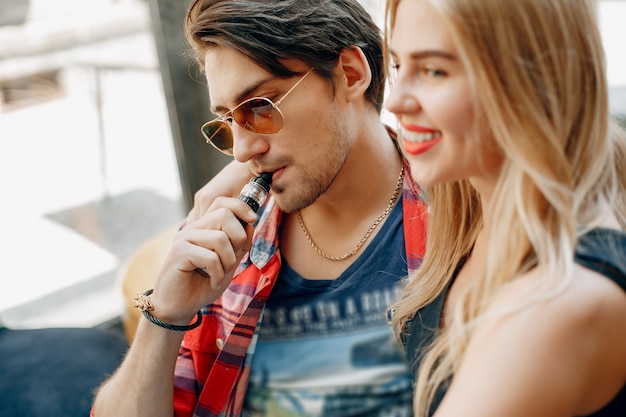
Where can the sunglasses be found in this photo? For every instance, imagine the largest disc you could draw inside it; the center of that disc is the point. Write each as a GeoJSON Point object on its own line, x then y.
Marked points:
{"type": "Point", "coordinates": [257, 114]}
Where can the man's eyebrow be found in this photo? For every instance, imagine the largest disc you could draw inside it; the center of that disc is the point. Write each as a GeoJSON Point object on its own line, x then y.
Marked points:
{"type": "Point", "coordinates": [243, 94]}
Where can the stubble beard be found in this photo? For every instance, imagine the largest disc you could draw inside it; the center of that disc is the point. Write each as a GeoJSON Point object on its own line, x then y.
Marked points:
{"type": "Point", "coordinates": [316, 179]}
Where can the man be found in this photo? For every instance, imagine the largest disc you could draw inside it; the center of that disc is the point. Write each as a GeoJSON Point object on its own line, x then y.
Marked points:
{"type": "Point", "coordinates": [292, 320]}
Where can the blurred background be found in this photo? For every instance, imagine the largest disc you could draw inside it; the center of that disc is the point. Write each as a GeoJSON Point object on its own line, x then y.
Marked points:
{"type": "Point", "coordinates": [96, 153]}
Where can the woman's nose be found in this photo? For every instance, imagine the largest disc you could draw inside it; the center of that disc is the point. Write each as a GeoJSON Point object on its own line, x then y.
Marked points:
{"type": "Point", "coordinates": [401, 99]}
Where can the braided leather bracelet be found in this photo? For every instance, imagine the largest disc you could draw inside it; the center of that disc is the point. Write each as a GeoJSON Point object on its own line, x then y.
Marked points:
{"type": "Point", "coordinates": [143, 302]}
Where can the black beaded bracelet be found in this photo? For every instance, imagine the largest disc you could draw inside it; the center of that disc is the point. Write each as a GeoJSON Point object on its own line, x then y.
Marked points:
{"type": "Point", "coordinates": [143, 303]}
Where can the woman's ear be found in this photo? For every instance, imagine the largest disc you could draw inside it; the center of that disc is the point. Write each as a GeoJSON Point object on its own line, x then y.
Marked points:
{"type": "Point", "coordinates": [354, 72]}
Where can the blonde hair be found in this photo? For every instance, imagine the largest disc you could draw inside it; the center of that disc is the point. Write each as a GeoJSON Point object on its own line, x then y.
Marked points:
{"type": "Point", "coordinates": [537, 71]}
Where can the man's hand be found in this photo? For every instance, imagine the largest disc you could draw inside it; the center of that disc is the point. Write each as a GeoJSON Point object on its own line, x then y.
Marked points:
{"type": "Point", "coordinates": [215, 243]}
{"type": "Point", "coordinates": [227, 183]}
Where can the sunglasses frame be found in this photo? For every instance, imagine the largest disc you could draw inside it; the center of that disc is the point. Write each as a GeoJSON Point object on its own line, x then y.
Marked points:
{"type": "Point", "coordinates": [227, 119]}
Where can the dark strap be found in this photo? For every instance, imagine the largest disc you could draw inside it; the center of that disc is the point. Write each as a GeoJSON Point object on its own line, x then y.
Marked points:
{"type": "Point", "coordinates": [604, 251]}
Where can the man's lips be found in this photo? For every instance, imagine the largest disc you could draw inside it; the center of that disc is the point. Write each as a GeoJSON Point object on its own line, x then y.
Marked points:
{"type": "Point", "coordinates": [276, 172]}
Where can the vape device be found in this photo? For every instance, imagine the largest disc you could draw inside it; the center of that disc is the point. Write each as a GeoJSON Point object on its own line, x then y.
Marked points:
{"type": "Point", "coordinates": [254, 193]}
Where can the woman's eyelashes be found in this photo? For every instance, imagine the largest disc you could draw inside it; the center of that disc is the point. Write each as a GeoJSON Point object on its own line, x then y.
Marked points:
{"type": "Point", "coordinates": [431, 72]}
{"type": "Point", "coordinates": [420, 71]}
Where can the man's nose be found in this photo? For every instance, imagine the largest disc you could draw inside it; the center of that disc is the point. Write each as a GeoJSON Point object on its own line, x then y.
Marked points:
{"type": "Point", "coordinates": [247, 144]}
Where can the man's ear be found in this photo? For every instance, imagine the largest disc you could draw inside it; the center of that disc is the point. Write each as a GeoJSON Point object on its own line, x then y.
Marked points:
{"type": "Point", "coordinates": [354, 72]}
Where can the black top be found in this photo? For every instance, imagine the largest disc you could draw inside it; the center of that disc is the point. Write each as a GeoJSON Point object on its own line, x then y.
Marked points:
{"type": "Point", "coordinates": [601, 250]}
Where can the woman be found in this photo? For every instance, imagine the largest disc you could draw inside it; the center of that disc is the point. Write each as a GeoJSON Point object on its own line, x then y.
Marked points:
{"type": "Point", "coordinates": [519, 308]}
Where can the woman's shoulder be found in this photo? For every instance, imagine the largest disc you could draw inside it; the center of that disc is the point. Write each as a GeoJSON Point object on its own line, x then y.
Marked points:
{"type": "Point", "coordinates": [573, 340]}
{"type": "Point", "coordinates": [547, 349]}
{"type": "Point", "coordinates": [597, 282]}
{"type": "Point", "coordinates": [588, 295]}
{"type": "Point", "coordinates": [562, 355]}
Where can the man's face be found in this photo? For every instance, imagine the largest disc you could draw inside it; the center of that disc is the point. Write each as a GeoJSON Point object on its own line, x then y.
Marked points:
{"type": "Point", "coordinates": [306, 155]}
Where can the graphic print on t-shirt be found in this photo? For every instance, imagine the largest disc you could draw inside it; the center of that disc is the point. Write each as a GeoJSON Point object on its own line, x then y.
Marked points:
{"type": "Point", "coordinates": [325, 348]}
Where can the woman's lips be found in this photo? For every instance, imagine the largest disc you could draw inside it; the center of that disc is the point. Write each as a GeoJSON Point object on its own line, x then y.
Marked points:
{"type": "Point", "coordinates": [418, 140]}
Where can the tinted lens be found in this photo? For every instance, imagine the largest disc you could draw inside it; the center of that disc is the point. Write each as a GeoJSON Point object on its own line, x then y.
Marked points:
{"type": "Point", "coordinates": [220, 135]}
{"type": "Point", "coordinates": [259, 115]}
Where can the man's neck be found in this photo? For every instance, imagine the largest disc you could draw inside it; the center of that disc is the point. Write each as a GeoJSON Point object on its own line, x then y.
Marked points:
{"type": "Point", "coordinates": [345, 213]}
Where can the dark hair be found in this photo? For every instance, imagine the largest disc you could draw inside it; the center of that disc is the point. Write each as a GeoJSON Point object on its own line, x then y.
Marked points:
{"type": "Point", "coordinates": [271, 31]}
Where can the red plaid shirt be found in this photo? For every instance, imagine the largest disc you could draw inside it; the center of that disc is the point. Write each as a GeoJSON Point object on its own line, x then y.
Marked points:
{"type": "Point", "coordinates": [213, 364]}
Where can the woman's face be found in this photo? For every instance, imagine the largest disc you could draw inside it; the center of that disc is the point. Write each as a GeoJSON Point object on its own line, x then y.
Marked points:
{"type": "Point", "coordinates": [432, 100]}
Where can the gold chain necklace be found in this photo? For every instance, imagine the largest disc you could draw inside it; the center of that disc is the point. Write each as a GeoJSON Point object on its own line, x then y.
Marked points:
{"type": "Point", "coordinates": [369, 232]}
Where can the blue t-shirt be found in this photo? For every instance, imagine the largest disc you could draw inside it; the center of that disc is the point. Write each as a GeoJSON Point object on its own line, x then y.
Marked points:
{"type": "Point", "coordinates": [325, 348]}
